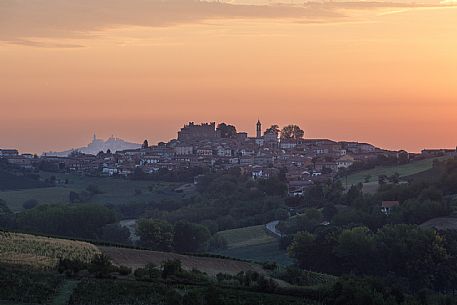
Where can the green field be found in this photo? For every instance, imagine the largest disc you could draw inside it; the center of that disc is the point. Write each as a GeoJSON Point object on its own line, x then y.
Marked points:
{"type": "Point", "coordinates": [115, 191]}
{"type": "Point", "coordinates": [253, 243]}
{"type": "Point", "coordinates": [404, 170]}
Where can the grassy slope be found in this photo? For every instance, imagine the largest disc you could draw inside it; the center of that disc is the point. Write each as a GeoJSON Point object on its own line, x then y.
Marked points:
{"type": "Point", "coordinates": [253, 243]}
{"type": "Point", "coordinates": [115, 191]}
{"type": "Point", "coordinates": [404, 170]}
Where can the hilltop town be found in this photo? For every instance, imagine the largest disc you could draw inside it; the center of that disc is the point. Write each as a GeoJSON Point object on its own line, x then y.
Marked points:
{"type": "Point", "coordinates": [207, 146]}
{"type": "Point", "coordinates": [266, 214]}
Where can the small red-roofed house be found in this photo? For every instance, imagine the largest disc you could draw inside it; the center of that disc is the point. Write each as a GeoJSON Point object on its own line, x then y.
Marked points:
{"type": "Point", "coordinates": [387, 206]}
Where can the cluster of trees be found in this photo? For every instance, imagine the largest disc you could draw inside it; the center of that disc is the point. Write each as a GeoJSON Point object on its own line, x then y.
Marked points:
{"type": "Point", "coordinates": [20, 285]}
{"type": "Point", "coordinates": [248, 279]}
{"type": "Point", "coordinates": [115, 233]}
{"type": "Point", "coordinates": [289, 132]}
{"type": "Point", "coordinates": [445, 175]}
{"type": "Point", "coordinates": [86, 195]}
{"type": "Point", "coordinates": [346, 233]}
{"type": "Point", "coordinates": [307, 221]}
{"type": "Point", "coordinates": [419, 202]}
{"type": "Point", "coordinates": [231, 200]}
{"type": "Point", "coordinates": [414, 257]}
{"type": "Point", "coordinates": [82, 221]}
{"type": "Point", "coordinates": [170, 270]}
{"type": "Point", "coordinates": [223, 201]}
{"type": "Point", "coordinates": [4, 209]}
{"type": "Point", "coordinates": [181, 237]}
{"type": "Point", "coordinates": [372, 290]}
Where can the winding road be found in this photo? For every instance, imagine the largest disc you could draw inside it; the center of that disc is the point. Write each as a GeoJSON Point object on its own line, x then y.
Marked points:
{"type": "Point", "coordinates": [271, 227]}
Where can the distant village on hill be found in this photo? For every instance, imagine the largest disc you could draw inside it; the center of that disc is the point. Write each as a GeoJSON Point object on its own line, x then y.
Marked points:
{"type": "Point", "coordinates": [98, 145]}
{"type": "Point", "coordinates": [271, 152]}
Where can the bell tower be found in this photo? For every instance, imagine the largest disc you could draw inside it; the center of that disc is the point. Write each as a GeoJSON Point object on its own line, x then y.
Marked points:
{"type": "Point", "coordinates": [259, 129]}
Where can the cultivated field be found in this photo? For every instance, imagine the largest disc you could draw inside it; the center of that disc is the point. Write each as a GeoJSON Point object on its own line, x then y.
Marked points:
{"type": "Point", "coordinates": [115, 191]}
{"type": "Point", "coordinates": [39, 251]}
{"type": "Point", "coordinates": [253, 243]}
{"type": "Point", "coordinates": [404, 170]}
{"type": "Point", "coordinates": [139, 258]}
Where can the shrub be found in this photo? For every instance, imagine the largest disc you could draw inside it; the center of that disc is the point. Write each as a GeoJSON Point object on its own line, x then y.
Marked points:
{"type": "Point", "coordinates": [101, 265]}
{"type": "Point", "coordinates": [148, 273]}
{"type": "Point", "coordinates": [171, 267]}
{"type": "Point", "coordinates": [124, 270]}
{"type": "Point", "coordinates": [71, 266]}
{"type": "Point", "coordinates": [30, 204]}
{"type": "Point", "coordinates": [94, 189]}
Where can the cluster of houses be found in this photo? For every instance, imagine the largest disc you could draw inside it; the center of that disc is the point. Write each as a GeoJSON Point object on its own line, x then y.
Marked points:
{"type": "Point", "coordinates": [304, 161]}
{"type": "Point", "coordinates": [26, 161]}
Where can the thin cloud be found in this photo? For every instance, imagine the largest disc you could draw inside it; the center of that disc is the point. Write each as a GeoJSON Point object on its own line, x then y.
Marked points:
{"type": "Point", "coordinates": [26, 22]}
{"type": "Point", "coordinates": [41, 44]}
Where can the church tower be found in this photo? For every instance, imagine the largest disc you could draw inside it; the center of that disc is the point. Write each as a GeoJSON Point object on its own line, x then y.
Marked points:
{"type": "Point", "coordinates": [259, 129]}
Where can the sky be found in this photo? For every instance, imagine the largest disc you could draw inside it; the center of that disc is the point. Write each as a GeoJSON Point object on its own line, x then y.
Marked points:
{"type": "Point", "coordinates": [378, 72]}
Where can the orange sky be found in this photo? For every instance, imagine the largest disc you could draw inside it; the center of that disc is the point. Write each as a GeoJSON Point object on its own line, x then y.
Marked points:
{"type": "Point", "coordinates": [385, 73]}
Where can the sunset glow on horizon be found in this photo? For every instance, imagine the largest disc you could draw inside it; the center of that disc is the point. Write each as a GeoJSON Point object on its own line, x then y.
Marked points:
{"type": "Point", "coordinates": [383, 73]}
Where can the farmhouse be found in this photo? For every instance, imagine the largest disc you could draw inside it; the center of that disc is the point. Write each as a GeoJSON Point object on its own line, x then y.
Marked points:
{"type": "Point", "coordinates": [388, 206]}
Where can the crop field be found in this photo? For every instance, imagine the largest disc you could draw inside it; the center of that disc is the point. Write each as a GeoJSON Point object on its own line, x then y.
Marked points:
{"type": "Point", "coordinates": [139, 258]}
{"type": "Point", "coordinates": [43, 252]}
{"type": "Point", "coordinates": [404, 170]}
{"type": "Point", "coordinates": [253, 243]}
{"type": "Point", "coordinates": [114, 191]}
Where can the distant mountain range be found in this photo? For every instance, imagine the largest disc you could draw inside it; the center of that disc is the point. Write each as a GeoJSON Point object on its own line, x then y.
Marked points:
{"type": "Point", "coordinates": [97, 145]}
